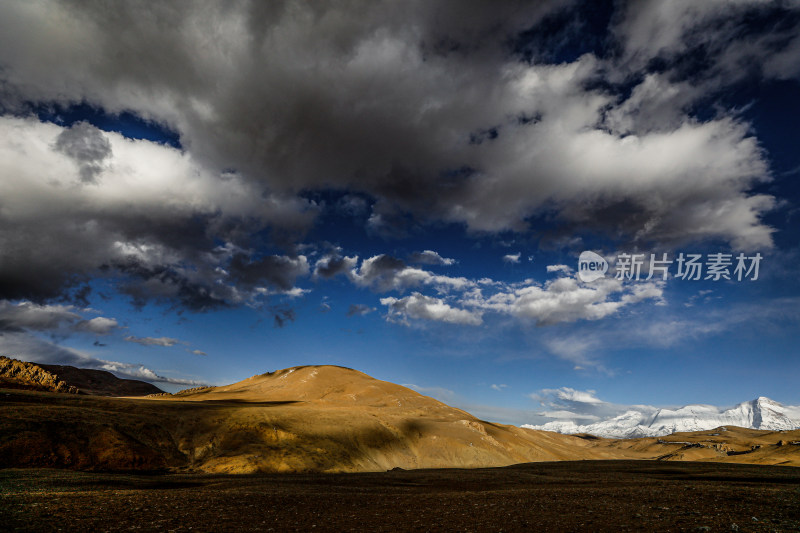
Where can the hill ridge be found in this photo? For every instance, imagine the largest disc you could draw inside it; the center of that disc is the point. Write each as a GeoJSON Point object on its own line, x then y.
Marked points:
{"type": "Point", "coordinates": [318, 418]}
{"type": "Point", "coordinates": [22, 374]}
{"type": "Point", "coordinates": [15, 373]}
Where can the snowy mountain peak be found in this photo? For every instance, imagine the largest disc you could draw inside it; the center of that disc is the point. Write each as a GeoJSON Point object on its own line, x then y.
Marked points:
{"type": "Point", "coordinates": [643, 421]}
{"type": "Point", "coordinates": [763, 401]}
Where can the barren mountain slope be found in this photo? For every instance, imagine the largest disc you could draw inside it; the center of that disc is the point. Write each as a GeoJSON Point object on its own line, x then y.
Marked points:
{"type": "Point", "coordinates": [318, 419]}
{"type": "Point", "coordinates": [334, 418]}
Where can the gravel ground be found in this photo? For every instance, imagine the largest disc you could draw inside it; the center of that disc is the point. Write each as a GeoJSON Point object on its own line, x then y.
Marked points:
{"type": "Point", "coordinates": [566, 496]}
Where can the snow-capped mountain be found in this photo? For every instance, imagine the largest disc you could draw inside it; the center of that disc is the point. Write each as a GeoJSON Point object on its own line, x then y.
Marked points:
{"type": "Point", "coordinates": [761, 413]}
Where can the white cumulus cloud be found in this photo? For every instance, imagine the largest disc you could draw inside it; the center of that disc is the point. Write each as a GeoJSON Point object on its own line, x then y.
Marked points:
{"type": "Point", "coordinates": [418, 306]}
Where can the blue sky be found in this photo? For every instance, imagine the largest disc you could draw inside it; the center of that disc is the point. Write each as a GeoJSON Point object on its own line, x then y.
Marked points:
{"type": "Point", "coordinates": [197, 193]}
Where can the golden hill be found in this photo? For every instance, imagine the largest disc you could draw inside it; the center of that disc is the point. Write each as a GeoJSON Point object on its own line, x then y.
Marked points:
{"type": "Point", "coordinates": [323, 385]}
{"type": "Point", "coordinates": [332, 418]}
{"type": "Point", "coordinates": [317, 419]}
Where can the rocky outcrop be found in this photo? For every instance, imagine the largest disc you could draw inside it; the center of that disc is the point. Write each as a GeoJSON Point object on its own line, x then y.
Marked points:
{"type": "Point", "coordinates": [68, 379]}
{"type": "Point", "coordinates": [20, 374]}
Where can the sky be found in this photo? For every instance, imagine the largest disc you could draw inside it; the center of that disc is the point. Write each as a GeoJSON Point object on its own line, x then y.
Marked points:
{"type": "Point", "coordinates": [198, 192]}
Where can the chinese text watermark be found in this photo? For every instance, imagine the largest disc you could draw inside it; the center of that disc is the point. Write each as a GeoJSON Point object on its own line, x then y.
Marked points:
{"type": "Point", "coordinates": [635, 267]}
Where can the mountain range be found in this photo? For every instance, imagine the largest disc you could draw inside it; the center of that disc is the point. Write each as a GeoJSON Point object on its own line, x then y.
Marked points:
{"type": "Point", "coordinates": [309, 418]}
{"type": "Point", "coordinates": [643, 421]}
{"type": "Point", "coordinates": [325, 418]}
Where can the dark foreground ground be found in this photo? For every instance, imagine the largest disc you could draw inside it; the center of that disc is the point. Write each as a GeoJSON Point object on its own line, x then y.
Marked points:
{"type": "Point", "coordinates": [569, 496]}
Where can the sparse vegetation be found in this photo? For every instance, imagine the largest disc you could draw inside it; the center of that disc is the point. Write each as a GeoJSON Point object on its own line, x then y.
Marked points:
{"type": "Point", "coordinates": [566, 496]}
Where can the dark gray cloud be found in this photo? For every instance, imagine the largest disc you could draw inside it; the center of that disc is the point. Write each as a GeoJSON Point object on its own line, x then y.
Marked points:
{"type": "Point", "coordinates": [419, 112]}
{"type": "Point", "coordinates": [87, 146]}
{"type": "Point", "coordinates": [359, 310]}
{"type": "Point", "coordinates": [383, 273]}
{"type": "Point", "coordinates": [353, 205]}
{"type": "Point", "coordinates": [729, 41]}
{"type": "Point", "coordinates": [429, 257]}
{"type": "Point", "coordinates": [170, 285]}
{"type": "Point", "coordinates": [28, 316]}
{"type": "Point", "coordinates": [155, 217]}
{"type": "Point", "coordinates": [275, 270]}
{"type": "Point", "coordinates": [283, 316]}
{"type": "Point", "coordinates": [153, 341]}
{"type": "Point", "coordinates": [334, 264]}
{"type": "Point", "coordinates": [380, 272]}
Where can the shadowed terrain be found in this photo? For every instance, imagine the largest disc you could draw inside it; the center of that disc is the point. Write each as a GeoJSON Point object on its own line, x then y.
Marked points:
{"type": "Point", "coordinates": [564, 496]}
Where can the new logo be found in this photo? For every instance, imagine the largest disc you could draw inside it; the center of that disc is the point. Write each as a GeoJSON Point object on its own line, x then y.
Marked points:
{"type": "Point", "coordinates": [591, 266]}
